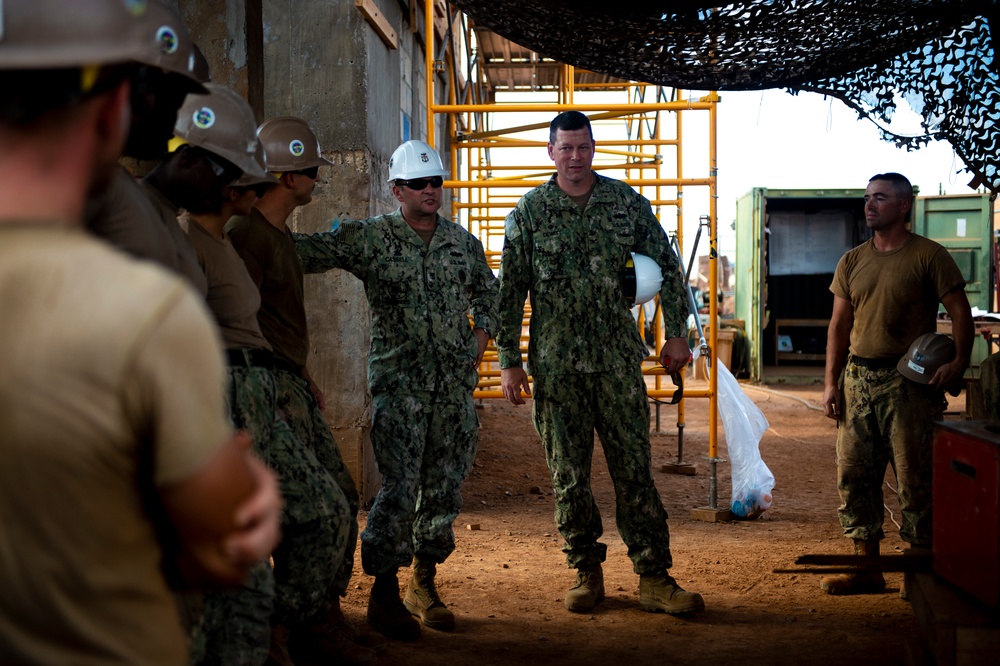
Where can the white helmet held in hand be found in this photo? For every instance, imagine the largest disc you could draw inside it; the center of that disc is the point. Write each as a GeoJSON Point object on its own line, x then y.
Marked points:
{"type": "Point", "coordinates": [415, 159]}
{"type": "Point", "coordinates": [642, 279]}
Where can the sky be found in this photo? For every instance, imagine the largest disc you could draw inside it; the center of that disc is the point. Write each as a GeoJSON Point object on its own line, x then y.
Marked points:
{"type": "Point", "coordinates": [770, 139]}
{"type": "Point", "coordinates": [776, 140]}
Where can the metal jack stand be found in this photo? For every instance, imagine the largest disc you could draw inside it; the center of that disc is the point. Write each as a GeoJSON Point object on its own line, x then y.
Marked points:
{"type": "Point", "coordinates": [681, 467]}
{"type": "Point", "coordinates": [711, 513]}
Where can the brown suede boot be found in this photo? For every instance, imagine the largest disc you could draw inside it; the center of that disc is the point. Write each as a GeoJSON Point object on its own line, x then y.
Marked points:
{"type": "Point", "coordinates": [862, 582]}
{"type": "Point", "coordinates": [422, 598]}
{"type": "Point", "coordinates": [662, 594]}
{"type": "Point", "coordinates": [586, 591]}
{"type": "Point", "coordinates": [387, 614]}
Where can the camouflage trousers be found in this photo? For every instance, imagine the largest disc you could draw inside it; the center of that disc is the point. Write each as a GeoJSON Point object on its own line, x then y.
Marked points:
{"type": "Point", "coordinates": [567, 410]}
{"type": "Point", "coordinates": [888, 420]}
{"type": "Point", "coordinates": [235, 625]}
{"type": "Point", "coordinates": [424, 446]}
{"type": "Point", "coordinates": [300, 409]}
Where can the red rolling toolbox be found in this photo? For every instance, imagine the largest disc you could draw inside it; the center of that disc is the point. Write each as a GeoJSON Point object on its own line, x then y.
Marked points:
{"type": "Point", "coordinates": [966, 548]}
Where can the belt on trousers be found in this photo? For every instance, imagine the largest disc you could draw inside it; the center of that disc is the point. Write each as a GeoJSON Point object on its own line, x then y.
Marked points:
{"type": "Point", "coordinates": [250, 358]}
{"type": "Point", "coordinates": [287, 366]}
{"type": "Point", "coordinates": [874, 363]}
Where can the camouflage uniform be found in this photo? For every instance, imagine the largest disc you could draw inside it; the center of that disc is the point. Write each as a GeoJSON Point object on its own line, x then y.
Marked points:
{"type": "Point", "coordinates": [298, 405]}
{"type": "Point", "coordinates": [888, 420]}
{"type": "Point", "coordinates": [420, 371]}
{"type": "Point", "coordinates": [585, 355]}
{"type": "Point", "coordinates": [315, 525]}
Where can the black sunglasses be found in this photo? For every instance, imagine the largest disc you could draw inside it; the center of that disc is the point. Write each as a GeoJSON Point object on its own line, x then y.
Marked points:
{"type": "Point", "coordinates": [421, 183]}
{"type": "Point", "coordinates": [311, 172]}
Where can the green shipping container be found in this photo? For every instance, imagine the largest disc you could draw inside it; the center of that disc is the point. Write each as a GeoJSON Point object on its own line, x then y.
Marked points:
{"type": "Point", "coordinates": [788, 243]}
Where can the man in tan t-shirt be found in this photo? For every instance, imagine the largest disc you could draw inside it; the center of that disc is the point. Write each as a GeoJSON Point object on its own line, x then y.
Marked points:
{"type": "Point", "coordinates": [116, 461]}
{"type": "Point", "coordinates": [885, 295]}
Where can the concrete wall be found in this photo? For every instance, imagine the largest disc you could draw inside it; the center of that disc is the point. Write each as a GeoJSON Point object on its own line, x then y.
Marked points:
{"type": "Point", "coordinates": [321, 61]}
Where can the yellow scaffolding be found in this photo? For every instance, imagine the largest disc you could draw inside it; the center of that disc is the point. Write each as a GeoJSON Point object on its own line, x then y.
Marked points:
{"type": "Point", "coordinates": [486, 184]}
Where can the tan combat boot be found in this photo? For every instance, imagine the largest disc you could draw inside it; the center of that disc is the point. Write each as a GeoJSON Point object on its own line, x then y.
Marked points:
{"type": "Point", "coordinates": [862, 582]}
{"type": "Point", "coordinates": [661, 594]}
{"type": "Point", "coordinates": [387, 614]}
{"type": "Point", "coordinates": [587, 590]}
{"type": "Point", "coordinates": [422, 598]}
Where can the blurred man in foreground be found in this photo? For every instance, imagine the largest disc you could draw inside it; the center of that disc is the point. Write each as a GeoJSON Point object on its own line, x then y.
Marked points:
{"type": "Point", "coordinates": [117, 464]}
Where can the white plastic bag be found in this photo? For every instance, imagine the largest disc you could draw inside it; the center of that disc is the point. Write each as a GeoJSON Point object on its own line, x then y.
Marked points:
{"type": "Point", "coordinates": [745, 425]}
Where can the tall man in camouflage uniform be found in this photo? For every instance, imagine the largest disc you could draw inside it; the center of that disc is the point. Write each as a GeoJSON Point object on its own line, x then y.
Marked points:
{"type": "Point", "coordinates": [886, 294]}
{"type": "Point", "coordinates": [423, 275]}
{"type": "Point", "coordinates": [567, 243]}
{"type": "Point", "coordinates": [308, 591]}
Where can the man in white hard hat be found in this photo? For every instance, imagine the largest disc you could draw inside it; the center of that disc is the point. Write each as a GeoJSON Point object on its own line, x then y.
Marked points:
{"type": "Point", "coordinates": [116, 460]}
{"type": "Point", "coordinates": [567, 243]}
{"type": "Point", "coordinates": [313, 567]}
{"type": "Point", "coordinates": [423, 276]}
{"type": "Point", "coordinates": [886, 293]}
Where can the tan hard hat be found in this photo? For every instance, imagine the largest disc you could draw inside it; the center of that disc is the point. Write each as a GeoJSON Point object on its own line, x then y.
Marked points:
{"type": "Point", "coordinates": [926, 354]}
{"type": "Point", "coordinates": [54, 34]}
{"type": "Point", "coordinates": [290, 145]}
{"type": "Point", "coordinates": [201, 69]}
{"type": "Point", "coordinates": [248, 179]}
{"type": "Point", "coordinates": [170, 47]}
{"type": "Point", "coordinates": [221, 122]}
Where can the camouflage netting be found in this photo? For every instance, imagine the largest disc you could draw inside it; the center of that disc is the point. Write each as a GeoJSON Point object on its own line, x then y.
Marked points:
{"type": "Point", "coordinates": [937, 55]}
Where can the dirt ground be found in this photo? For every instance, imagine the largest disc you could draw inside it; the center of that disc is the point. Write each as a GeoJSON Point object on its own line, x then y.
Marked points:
{"type": "Point", "coordinates": [507, 579]}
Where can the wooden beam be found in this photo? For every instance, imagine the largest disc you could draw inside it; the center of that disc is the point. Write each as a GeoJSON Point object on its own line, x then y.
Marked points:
{"type": "Point", "coordinates": [377, 21]}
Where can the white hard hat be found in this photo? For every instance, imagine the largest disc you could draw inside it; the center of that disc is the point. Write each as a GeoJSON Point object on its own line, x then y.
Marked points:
{"type": "Point", "coordinates": [642, 279]}
{"type": "Point", "coordinates": [415, 159]}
